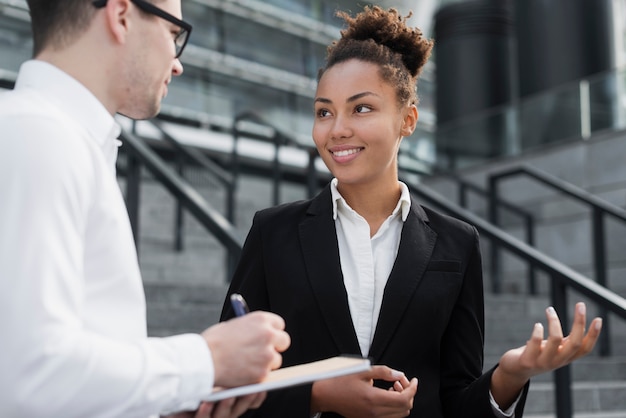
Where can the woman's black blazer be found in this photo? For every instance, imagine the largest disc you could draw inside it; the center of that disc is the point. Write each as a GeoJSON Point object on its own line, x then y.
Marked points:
{"type": "Point", "coordinates": [431, 322]}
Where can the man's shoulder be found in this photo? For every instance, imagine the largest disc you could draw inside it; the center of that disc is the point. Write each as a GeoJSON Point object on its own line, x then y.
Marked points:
{"type": "Point", "coordinates": [27, 114]}
{"type": "Point", "coordinates": [27, 110]}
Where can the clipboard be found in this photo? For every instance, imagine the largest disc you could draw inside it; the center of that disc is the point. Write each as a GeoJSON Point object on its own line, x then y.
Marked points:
{"type": "Point", "coordinates": [296, 375]}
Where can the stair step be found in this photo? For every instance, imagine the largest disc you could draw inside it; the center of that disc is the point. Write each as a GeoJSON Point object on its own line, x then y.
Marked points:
{"type": "Point", "coordinates": [587, 397]}
{"type": "Point", "coordinates": [588, 369]}
{"type": "Point", "coordinates": [174, 309]}
{"type": "Point", "coordinates": [614, 414]}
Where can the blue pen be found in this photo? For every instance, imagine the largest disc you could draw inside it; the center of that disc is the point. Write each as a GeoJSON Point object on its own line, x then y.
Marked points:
{"type": "Point", "coordinates": [239, 304]}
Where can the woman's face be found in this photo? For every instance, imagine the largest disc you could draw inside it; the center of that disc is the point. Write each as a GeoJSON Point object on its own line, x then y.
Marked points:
{"type": "Point", "coordinates": [359, 124]}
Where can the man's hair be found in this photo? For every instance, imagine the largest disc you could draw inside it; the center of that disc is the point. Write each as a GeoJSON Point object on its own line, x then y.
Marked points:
{"type": "Point", "coordinates": [57, 23]}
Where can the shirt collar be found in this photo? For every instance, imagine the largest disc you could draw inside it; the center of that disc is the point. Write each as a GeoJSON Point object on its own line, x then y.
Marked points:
{"type": "Point", "coordinates": [403, 206]}
{"type": "Point", "coordinates": [71, 97]}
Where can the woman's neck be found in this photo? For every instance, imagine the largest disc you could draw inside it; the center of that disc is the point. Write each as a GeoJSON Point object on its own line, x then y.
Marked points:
{"type": "Point", "coordinates": [373, 203]}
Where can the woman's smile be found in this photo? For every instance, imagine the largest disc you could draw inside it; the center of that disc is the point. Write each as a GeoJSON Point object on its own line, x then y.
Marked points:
{"type": "Point", "coordinates": [346, 154]}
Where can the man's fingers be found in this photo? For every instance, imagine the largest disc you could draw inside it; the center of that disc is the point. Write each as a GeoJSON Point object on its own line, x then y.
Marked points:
{"type": "Point", "coordinates": [258, 401]}
{"type": "Point", "coordinates": [205, 410]}
{"type": "Point", "coordinates": [276, 362]}
{"type": "Point", "coordinates": [282, 341]}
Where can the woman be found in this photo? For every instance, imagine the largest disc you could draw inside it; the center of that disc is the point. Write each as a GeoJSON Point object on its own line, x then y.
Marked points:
{"type": "Point", "coordinates": [363, 269]}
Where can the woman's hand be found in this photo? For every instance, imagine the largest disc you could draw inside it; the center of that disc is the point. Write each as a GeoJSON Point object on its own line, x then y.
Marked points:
{"type": "Point", "coordinates": [539, 356]}
{"type": "Point", "coordinates": [356, 396]}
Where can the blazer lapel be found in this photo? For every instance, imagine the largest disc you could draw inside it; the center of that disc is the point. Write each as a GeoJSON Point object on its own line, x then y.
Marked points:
{"type": "Point", "coordinates": [417, 242]}
{"type": "Point", "coordinates": [318, 238]}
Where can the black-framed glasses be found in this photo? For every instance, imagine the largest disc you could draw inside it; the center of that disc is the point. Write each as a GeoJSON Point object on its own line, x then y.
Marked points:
{"type": "Point", "coordinates": [185, 28]}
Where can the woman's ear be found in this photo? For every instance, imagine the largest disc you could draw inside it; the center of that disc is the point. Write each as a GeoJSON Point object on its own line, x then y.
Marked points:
{"type": "Point", "coordinates": [410, 120]}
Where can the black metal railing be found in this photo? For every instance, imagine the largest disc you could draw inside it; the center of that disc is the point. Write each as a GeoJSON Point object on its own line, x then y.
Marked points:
{"type": "Point", "coordinates": [561, 277]}
{"type": "Point", "coordinates": [142, 155]}
{"type": "Point", "coordinates": [464, 189]}
{"type": "Point", "coordinates": [600, 209]}
{"type": "Point", "coordinates": [275, 136]}
{"type": "Point", "coordinates": [213, 171]}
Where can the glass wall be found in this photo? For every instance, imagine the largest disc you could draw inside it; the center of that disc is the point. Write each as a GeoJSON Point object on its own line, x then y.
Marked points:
{"type": "Point", "coordinates": [568, 113]}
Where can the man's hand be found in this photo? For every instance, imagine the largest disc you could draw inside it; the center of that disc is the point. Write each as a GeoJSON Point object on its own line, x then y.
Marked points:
{"type": "Point", "coordinates": [227, 408]}
{"type": "Point", "coordinates": [246, 349]}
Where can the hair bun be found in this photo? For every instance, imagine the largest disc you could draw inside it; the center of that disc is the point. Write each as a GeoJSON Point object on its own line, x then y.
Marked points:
{"type": "Point", "coordinates": [388, 28]}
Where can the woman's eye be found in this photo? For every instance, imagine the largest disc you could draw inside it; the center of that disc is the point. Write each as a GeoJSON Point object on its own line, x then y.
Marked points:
{"type": "Point", "coordinates": [362, 109]}
{"type": "Point", "coordinates": [322, 113]}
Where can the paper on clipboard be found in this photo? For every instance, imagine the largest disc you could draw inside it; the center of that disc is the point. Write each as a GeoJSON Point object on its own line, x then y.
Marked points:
{"type": "Point", "coordinates": [297, 375]}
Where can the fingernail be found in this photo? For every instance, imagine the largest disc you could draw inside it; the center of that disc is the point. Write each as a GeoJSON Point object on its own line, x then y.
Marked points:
{"type": "Point", "coordinates": [599, 324]}
{"type": "Point", "coordinates": [396, 374]}
{"type": "Point", "coordinates": [551, 311]}
{"type": "Point", "coordinates": [582, 309]}
{"type": "Point", "coordinates": [538, 330]}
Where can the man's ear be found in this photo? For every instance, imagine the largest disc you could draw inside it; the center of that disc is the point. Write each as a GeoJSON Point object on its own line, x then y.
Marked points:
{"type": "Point", "coordinates": [117, 18]}
{"type": "Point", "coordinates": [410, 120]}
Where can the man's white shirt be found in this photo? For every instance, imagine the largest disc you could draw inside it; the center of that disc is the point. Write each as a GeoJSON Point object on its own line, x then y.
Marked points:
{"type": "Point", "coordinates": [72, 306]}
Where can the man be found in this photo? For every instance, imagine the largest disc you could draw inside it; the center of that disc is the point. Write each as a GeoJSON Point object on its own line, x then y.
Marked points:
{"type": "Point", "coordinates": [72, 308]}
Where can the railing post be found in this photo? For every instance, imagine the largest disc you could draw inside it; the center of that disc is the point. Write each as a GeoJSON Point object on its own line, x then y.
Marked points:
{"type": "Point", "coordinates": [276, 193]}
{"type": "Point", "coordinates": [178, 222]}
{"type": "Point", "coordinates": [530, 239]}
{"type": "Point", "coordinates": [599, 260]}
{"type": "Point", "coordinates": [133, 188]}
{"type": "Point", "coordinates": [585, 109]}
{"type": "Point", "coordinates": [462, 195]}
{"type": "Point", "coordinates": [495, 251]}
{"type": "Point", "coordinates": [231, 258]}
{"type": "Point", "coordinates": [562, 376]}
{"type": "Point", "coordinates": [312, 173]}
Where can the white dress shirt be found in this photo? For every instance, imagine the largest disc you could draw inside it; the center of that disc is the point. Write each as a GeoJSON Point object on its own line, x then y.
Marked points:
{"type": "Point", "coordinates": [366, 264]}
{"type": "Point", "coordinates": [72, 306]}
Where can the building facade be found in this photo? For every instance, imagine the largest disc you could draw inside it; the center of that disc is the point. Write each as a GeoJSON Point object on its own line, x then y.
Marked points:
{"type": "Point", "coordinates": [243, 56]}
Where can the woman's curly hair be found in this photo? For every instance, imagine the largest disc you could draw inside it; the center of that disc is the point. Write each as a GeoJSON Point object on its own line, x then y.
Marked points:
{"type": "Point", "coordinates": [382, 37]}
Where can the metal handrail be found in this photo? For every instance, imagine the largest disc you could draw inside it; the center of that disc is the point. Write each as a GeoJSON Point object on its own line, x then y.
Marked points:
{"type": "Point", "coordinates": [527, 218]}
{"type": "Point", "coordinates": [223, 176]}
{"type": "Point", "coordinates": [599, 207]}
{"type": "Point", "coordinates": [208, 217]}
{"type": "Point", "coordinates": [185, 152]}
{"type": "Point", "coordinates": [278, 138]}
{"type": "Point", "coordinates": [562, 277]}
